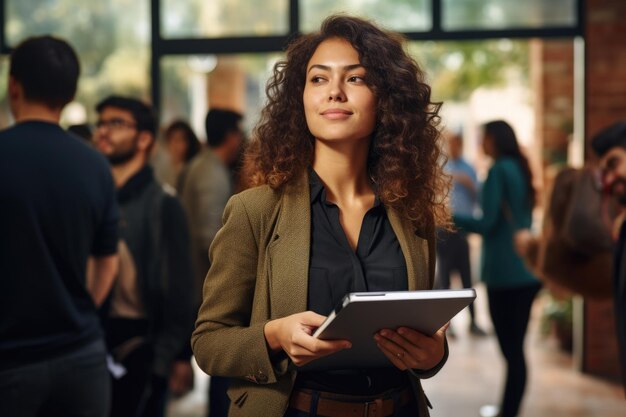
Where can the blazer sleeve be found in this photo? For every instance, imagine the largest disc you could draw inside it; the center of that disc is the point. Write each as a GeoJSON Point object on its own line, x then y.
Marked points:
{"type": "Point", "coordinates": [225, 342]}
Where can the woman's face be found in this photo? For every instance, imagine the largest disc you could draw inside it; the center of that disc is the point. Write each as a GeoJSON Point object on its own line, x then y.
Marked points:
{"type": "Point", "coordinates": [338, 104]}
{"type": "Point", "coordinates": [488, 146]}
{"type": "Point", "coordinates": [176, 146]}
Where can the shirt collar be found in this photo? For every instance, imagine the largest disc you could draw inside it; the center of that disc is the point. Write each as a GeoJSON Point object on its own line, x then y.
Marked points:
{"type": "Point", "coordinates": [316, 186]}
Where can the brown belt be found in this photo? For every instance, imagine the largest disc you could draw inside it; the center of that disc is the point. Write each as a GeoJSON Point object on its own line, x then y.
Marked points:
{"type": "Point", "coordinates": [333, 407]}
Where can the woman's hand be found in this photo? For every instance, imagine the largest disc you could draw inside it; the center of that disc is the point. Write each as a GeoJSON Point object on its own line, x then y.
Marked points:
{"type": "Point", "coordinates": [292, 334]}
{"type": "Point", "coordinates": [410, 349]}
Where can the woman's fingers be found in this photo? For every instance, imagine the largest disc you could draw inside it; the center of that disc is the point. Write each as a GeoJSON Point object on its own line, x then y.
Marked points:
{"type": "Point", "coordinates": [410, 348]}
{"type": "Point", "coordinates": [396, 356]}
{"type": "Point", "coordinates": [302, 352]}
{"type": "Point", "coordinates": [293, 334]}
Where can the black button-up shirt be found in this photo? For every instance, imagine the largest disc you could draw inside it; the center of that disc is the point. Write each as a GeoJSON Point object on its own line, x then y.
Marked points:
{"type": "Point", "coordinates": [335, 269]}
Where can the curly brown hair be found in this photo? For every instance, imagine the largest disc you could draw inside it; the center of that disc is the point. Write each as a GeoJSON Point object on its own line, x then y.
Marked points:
{"type": "Point", "coordinates": [404, 156]}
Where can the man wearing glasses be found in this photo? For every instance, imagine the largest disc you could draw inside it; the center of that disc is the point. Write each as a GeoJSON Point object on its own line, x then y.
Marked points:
{"type": "Point", "coordinates": [148, 315]}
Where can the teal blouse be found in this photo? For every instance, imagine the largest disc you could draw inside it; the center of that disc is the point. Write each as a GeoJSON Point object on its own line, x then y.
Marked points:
{"type": "Point", "coordinates": [505, 209]}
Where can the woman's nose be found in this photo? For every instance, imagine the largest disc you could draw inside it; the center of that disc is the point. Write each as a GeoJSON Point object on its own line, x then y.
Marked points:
{"type": "Point", "coordinates": [335, 92]}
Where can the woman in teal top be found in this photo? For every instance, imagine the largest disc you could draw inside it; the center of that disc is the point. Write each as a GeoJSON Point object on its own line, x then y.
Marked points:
{"type": "Point", "coordinates": [507, 201]}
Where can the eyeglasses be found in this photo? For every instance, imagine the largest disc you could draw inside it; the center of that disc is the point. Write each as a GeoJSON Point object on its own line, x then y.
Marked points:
{"type": "Point", "coordinates": [115, 124]}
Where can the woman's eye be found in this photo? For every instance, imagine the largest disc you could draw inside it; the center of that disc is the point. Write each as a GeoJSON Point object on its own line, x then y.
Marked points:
{"type": "Point", "coordinates": [316, 79]}
{"type": "Point", "coordinates": [356, 79]}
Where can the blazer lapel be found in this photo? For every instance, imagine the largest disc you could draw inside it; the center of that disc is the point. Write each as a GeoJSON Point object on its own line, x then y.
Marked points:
{"type": "Point", "coordinates": [415, 250]}
{"type": "Point", "coordinates": [289, 251]}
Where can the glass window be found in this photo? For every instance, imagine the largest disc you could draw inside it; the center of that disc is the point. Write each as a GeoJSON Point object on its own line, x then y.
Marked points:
{"type": "Point", "coordinates": [479, 81]}
{"type": "Point", "coordinates": [222, 18]}
{"type": "Point", "coordinates": [455, 69]}
{"type": "Point", "coordinates": [113, 47]}
{"type": "Point", "coordinates": [399, 15]}
{"type": "Point", "coordinates": [504, 14]}
{"type": "Point", "coordinates": [191, 85]}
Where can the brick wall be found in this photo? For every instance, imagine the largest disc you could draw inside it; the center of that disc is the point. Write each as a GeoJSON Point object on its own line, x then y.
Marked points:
{"type": "Point", "coordinates": [605, 97]}
{"type": "Point", "coordinates": [552, 63]}
{"type": "Point", "coordinates": [600, 343]}
{"type": "Point", "coordinates": [605, 64]}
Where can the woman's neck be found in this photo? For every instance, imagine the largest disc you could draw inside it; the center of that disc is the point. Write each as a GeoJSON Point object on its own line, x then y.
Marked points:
{"type": "Point", "coordinates": [343, 170]}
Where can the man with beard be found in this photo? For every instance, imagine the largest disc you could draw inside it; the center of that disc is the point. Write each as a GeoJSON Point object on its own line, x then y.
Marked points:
{"type": "Point", "coordinates": [610, 146]}
{"type": "Point", "coordinates": [148, 314]}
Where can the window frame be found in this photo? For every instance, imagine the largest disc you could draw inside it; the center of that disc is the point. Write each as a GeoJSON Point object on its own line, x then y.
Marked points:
{"type": "Point", "coordinates": [161, 47]}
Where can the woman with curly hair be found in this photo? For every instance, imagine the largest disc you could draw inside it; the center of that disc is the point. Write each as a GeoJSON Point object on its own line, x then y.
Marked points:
{"type": "Point", "coordinates": [347, 194]}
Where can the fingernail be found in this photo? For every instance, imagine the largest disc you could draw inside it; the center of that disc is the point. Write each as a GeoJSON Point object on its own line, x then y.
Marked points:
{"type": "Point", "coordinates": [401, 330]}
{"type": "Point", "coordinates": [348, 345]}
{"type": "Point", "coordinates": [384, 333]}
{"type": "Point", "coordinates": [377, 337]}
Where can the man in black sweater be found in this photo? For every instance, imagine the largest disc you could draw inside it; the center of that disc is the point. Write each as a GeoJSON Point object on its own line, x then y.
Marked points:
{"type": "Point", "coordinates": [57, 207]}
{"type": "Point", "coordinates": [149, 314]}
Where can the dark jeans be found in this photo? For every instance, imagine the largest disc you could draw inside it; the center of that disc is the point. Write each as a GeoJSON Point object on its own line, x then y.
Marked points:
{"type": "Point", "coordinates": [157, 401]}
{"type": "Point", "coordinates": [132, 391]}
{"type": "Point", "coordinates": [74, 385]}
{"type": "Point", "coordinates": [453, 255]}
{"type": "Point", "coordinates": [218, 398]}
{"type": "Point", "coordinates": [130, 346]}
{"type": "Point", "coordinates": [510, 311]}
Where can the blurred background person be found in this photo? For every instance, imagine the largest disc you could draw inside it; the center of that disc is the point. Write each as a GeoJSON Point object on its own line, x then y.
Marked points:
{"type": "Point", "coordinates": [181, 145]}
{"type": "Point", "coordinates": [206, 186]}
{"type": "Point", "coordinates": [453, 253]}
{"type": "Point", "coordinates": [610, 145]}
{"type": "Point", "coordinates": [507, 201]}
{"type": "Point", "coordinates": [149, 313]}
{"type": "Point", "coordinates": [57, 206]}
{"type": "Point", "coordinates": [83, 131]}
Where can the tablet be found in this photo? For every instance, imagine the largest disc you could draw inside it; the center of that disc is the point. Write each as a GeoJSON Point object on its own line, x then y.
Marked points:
{"type": "Point", "coordinates": [360, 315]}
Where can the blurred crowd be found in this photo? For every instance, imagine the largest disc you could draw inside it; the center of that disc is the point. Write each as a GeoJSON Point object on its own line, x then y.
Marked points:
{"type": "Point", "coordinates": [107, 228]}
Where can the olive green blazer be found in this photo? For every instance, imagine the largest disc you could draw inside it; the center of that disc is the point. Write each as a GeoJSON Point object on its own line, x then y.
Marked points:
{"type": "Point", "coordinates": [259, 271]}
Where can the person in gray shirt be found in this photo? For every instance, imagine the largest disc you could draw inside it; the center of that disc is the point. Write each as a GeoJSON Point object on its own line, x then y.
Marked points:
{"type": "Point", "coordinates": [206, 186]}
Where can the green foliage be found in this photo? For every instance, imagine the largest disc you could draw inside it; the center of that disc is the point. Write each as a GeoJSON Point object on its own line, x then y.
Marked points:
{"type": "Point", "coordinates": [456, 69]}
{"type": "Point", "coordinates": [557, 311]}
{"type": "Point", "coordinates": [110, 37]}
{"type": "Point", "coordinates": [202, 18]}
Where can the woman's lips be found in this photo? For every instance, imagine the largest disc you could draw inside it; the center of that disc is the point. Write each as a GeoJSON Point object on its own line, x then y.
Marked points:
{"type": "Point", "coordinates": [336, 114]}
